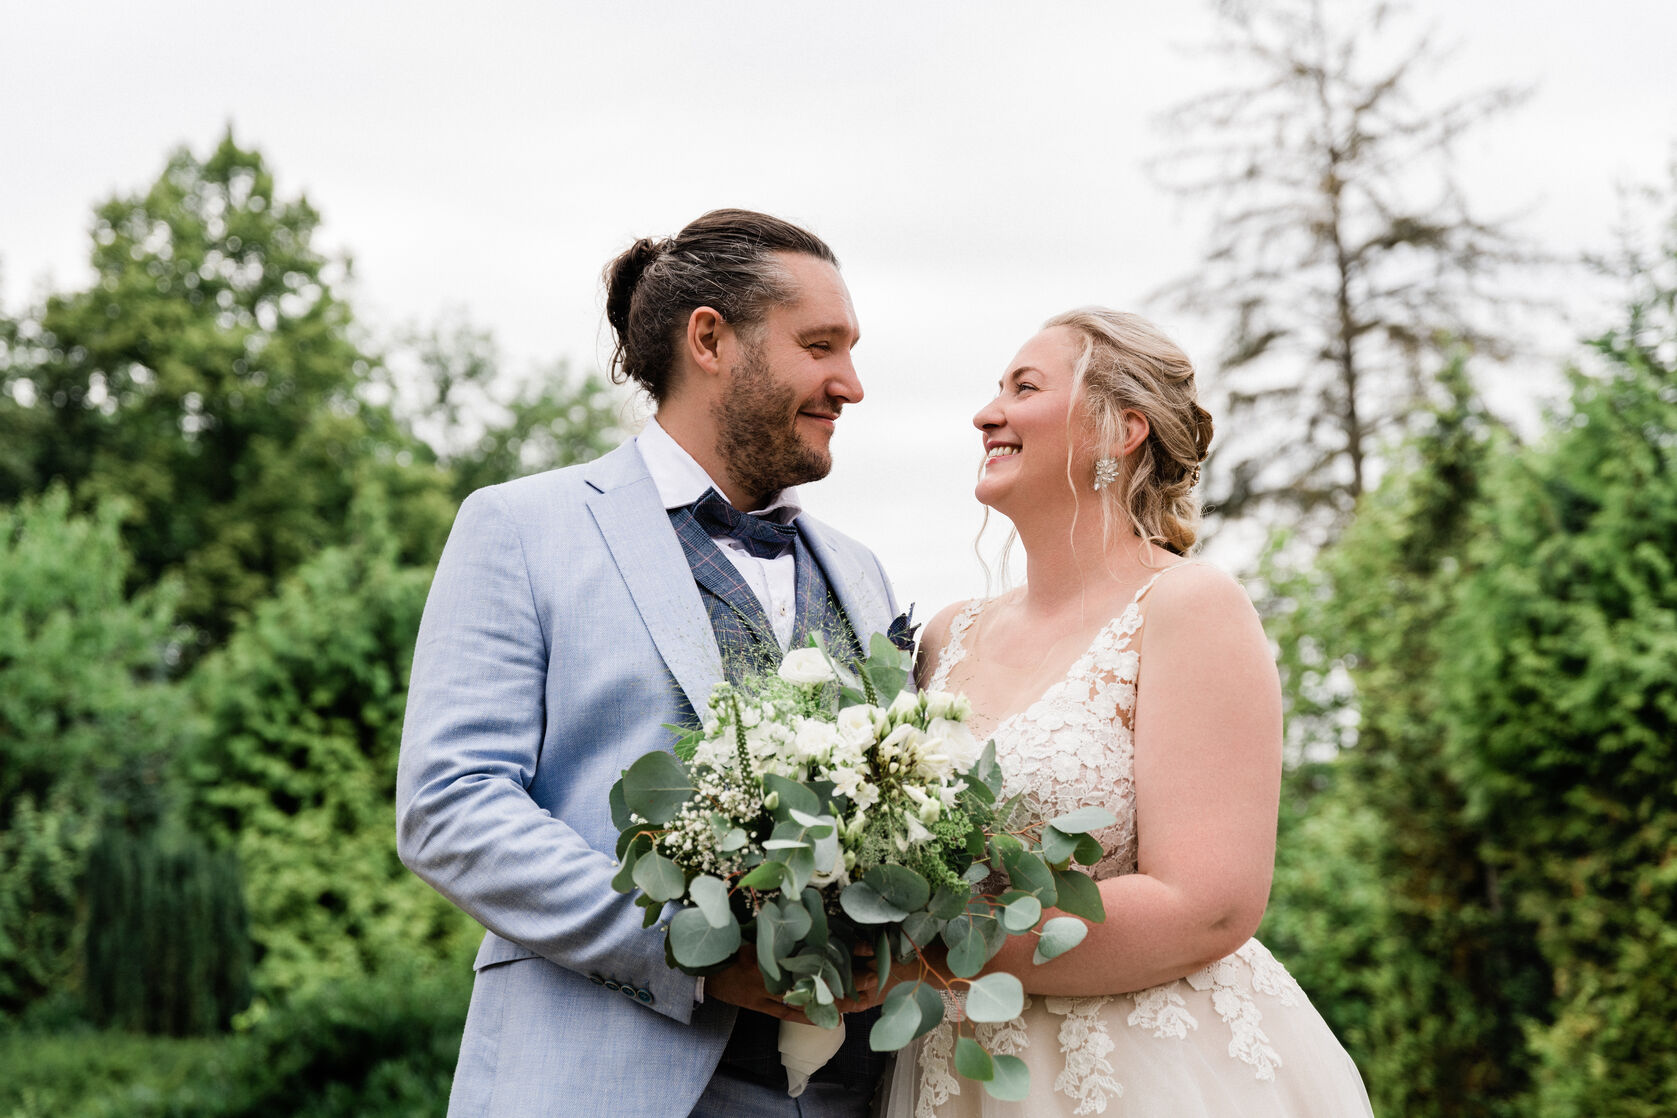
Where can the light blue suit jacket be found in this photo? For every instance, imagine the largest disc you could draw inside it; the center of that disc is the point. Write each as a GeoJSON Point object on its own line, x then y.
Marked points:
{"type": "Point", "coordinates": [561, 631]}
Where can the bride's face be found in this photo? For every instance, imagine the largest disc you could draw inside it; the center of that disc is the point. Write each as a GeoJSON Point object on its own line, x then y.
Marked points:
{"type": "Point", "coordinates": [1032, 429]}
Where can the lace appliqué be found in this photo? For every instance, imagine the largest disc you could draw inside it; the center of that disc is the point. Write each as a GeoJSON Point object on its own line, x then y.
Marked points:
{"type": "Point", "coordinates": [1085, 1042]}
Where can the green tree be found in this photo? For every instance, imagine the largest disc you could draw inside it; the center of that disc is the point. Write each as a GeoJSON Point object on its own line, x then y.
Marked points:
{"type": "Point", "coordinates": [208, 377]}
{"type": "Point", "coordinates": [1383, 899]}
{"type": "Point", "coordinates": [87, 720]}
{"type": "Point", "coordinates": [1560, 686]}
{"type": "Point", "coordinates": [296, 770]}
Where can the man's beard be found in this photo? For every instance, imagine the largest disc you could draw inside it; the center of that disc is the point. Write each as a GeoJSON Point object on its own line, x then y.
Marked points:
{"type": "Point", "coordinates": [756, 433]}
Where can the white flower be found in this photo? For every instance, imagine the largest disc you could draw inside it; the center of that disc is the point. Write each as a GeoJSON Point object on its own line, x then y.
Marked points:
{"type": "Point", "coordinates": [903, 706]}
{"type": "Point", "coordinates": [814, 739]}
{"type": "Point", "coordinates": [913, 831]}
{"type": "Point", "coordinates": [806, 666]}
{"type": "Point", "coordinates": [858, 725]}
{"type": "Point", "coordinates": [866, 794]}
{"type": "Point", "coordinates": [939, 704]}
{"type": "Point", "coordinates": [955, 740]}
{"type": "Point", "coordinates": [899, 741]}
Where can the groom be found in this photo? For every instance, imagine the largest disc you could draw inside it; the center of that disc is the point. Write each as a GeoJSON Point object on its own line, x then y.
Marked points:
{"type": "Point", "coordinates": [574, 614]}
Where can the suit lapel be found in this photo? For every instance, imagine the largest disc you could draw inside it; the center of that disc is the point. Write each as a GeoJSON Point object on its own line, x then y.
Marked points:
{"type": "Point", "coordinates": [636, 529]}
{"type": "Point", "coordinates": [861, 594]}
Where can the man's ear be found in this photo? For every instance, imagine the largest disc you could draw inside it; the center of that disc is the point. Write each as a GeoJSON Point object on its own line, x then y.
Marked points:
{"type": "Point", "coordinates": [707, 334]}
{"type": "Point", "coordinates": [1136, 430]}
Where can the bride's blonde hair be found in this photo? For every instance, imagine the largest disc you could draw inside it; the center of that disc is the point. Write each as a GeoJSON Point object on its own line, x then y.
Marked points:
{"type": "Point", "coordinates": [1128, 364]}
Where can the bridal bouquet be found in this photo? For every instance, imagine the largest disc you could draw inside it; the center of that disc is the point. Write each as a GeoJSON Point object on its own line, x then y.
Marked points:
{"type": "Point", "coordinates": [828, 811]}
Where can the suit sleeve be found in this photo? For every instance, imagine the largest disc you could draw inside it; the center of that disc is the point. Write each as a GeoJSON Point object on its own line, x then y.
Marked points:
{"type": "Point", "coordinates": [465, 822]}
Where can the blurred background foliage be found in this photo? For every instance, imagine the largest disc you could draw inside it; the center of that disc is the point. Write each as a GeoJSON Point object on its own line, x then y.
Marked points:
{"type": "Point", "coordinates": [220, 506]}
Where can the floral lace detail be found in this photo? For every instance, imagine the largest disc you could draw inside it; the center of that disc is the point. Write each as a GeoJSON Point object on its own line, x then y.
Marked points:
{"type": "Point", "coordinates": [1075, 747]}
{"type": "Point", "coordinates": [1163, 1011]}
{"type": "Point", "coordinates": [937, 1072]}
{"type": "Point", "coordinates": [1088, 1075]}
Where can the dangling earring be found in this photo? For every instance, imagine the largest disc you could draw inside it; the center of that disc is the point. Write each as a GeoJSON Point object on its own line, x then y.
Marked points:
{"type": "Point", "coordinates": [1106, 471]}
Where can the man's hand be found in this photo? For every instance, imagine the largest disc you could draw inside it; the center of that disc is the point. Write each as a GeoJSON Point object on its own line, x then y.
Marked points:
{"type": "Point", "coordinates": [742, 985]}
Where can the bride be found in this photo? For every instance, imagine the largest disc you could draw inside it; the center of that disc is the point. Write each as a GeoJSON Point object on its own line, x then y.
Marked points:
{"type": "Point", "coordinates": [1124, 676]}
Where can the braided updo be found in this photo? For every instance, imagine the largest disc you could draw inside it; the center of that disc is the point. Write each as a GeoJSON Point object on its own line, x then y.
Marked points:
{"type": "Point", "coordinates": [724, 260]}
{"type": "Point", "coordinates": [1128, 364]}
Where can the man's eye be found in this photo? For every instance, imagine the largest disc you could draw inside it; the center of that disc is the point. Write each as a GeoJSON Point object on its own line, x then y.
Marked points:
{"type": "Point", "coordinates": [821, 345]}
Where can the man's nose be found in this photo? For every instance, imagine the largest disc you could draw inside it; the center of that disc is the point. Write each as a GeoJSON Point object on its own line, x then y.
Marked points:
{"type": "Point", "coordinates": [845, 384]}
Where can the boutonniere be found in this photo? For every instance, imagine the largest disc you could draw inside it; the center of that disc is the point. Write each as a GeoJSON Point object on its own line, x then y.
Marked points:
{"type": "Point", "coordinates": [903, 630]}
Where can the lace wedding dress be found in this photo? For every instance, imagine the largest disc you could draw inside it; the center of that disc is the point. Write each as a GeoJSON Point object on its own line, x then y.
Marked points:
{"type": "Point", "coordinates": [1237, 1038]}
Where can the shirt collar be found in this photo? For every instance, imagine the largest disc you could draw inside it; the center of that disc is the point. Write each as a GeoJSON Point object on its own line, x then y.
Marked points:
{"type": "Point", "coordinates": [681, 480]}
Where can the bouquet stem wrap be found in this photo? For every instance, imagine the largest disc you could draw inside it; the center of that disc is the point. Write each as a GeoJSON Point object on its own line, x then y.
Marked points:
{"type": "Point", "coordinates": [804, 1050]}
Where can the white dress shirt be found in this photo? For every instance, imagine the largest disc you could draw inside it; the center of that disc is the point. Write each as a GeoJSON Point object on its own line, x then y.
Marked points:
{"type": "Point", "coordinates": [681, 481]}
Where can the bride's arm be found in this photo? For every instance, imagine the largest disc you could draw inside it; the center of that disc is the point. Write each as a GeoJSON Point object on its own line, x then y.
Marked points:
{"type": "Point", "coordinates": [1207, 775]}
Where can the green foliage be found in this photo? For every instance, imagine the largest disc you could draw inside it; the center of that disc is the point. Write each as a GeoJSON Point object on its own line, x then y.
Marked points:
{"type": "Point", "coordinates": [168, 944]}
{"type": "Point", "coordinates": [1478, 888]}
{"type": "Point", "coordinates": [42, 854]}
{"type": "Point", "coordinates": [380, 1047]}
{"type": "Point", "coordinates": [1561, 688]}
{"type": "Point", "coordinates": [296, 770]}
{"type": "Point", "coordinates": [86, 718]}
{"type": "Point", "coordinates": [1382, 895]}
{"type": "Point", "coordinates": [207, 377]}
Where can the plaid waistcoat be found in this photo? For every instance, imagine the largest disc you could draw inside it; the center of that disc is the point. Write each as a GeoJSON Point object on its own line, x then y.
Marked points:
{"type": "Point", "coordinates": [743, 633]}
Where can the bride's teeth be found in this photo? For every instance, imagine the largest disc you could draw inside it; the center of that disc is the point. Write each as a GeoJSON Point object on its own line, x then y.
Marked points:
{"type": "Point", "coordinates": [1000, 452]}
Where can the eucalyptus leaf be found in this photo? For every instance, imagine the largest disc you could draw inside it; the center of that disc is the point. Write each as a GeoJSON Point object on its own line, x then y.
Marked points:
{"type": "Point", "coordinates": [882, 958]}
{"type": "Point", "coordinates": [900, 886]}
{"type": "Point", "coordinates": [785, 844]}
{"type": "Point", "coordinates": [1029, 874]}
{"type": "Point", "coordinates": [1083, 820]}
{"type": "Point", "coordinates": [922, 927]}
{"type": "Point", "coordinates": [996, 997]}
{"type": "Point", "coordinates": [947, 903]}
{"type": "Point", "coordinates": [1022, 915]}
{"type": "Point", "coordinates": [864, 904]}
{"type": "Point", "coordinates": [1012, 1080]}
{"type": "Point", "coordinates": [1079, 895]}
{"type": "Point", "coordinates": [968, 952]}
{"type": "Point", "coordinates": [792, 795]}
{"type": "Point", "coordinates": [658, 877]}
{"type": "Point", "coordinates": [1059, 935]}
{"type": "Point", "coordinates": [825, 1016]}
{"type": "Point", "coordinates": [656, 786]}
{"type": "Point", "coordinates": [972, 1061]}
{"type": "Point", "coordinates": [694, 943]}
{"type": "Point", "coordinates": [1057, 846]}
{"type": "Point", "coordinates": [899, 1018]}
{"type": "Point", "coordinates": [975, 873]}
{"type": "Point", "coordinates": [619, 806]}
{"type": "Point", "coordinates": [931, 1007]}
{"type": "Point", "coordinates": [1089, 851]}
{"type": "Point", "coordinates": [823, 992]}
{"type": "Point", "coordinates": [769, 875]}
{"type": "Point", "coordinates": [804, 964]}
{"type": "Point", "coordinates": [817, 910]}
{"type": "Point", "coordinates": [733, 840]}
{"type": "Point", "coordinates": [768, 954]}
{"type": "Point", "coordinates": [795, 917]}
{"type": "Point", "coordinates": [711, 895]}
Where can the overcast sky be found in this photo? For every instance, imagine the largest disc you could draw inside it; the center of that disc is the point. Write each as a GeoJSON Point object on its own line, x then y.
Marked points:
{"type": "Point", "coordinates": [977, 166]}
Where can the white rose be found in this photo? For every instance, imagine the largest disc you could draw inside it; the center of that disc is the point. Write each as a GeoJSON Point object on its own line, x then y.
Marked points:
{"type": "Point", "coordinates": [814, 739]}
{"type": "Point", "coordinates": [807, 667]}
{"type": "Point", "coordinates": [857, 725]}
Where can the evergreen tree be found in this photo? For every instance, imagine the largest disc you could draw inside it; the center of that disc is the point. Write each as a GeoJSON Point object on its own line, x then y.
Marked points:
{"type": "Point", "coordinates": [1560, 680]}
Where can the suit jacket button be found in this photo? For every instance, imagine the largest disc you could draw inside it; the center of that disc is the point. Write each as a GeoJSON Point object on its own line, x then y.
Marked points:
{"type": "Point", "coordinates": [610, 985]}
{"type": "Point", "coordinates": [643, 996]}
{"type": "Point", "coordinates": [596, 979]}
{"type": "Point", "coordinates": [626, 990]}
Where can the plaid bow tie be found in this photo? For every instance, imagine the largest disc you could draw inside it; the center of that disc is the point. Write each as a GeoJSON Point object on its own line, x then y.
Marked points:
{"type": "Point", "coordinates": [762, 537]}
